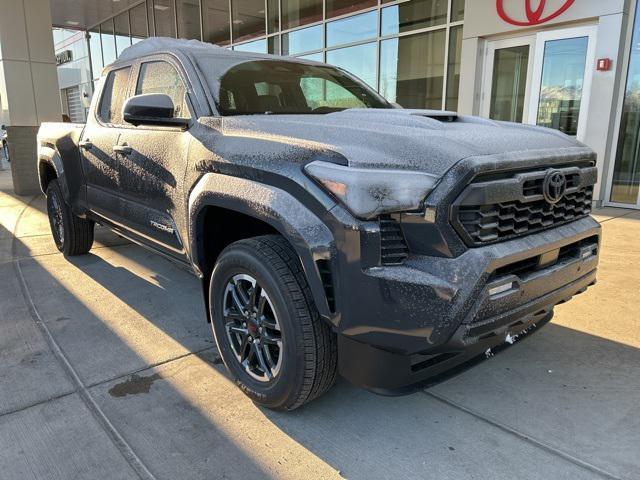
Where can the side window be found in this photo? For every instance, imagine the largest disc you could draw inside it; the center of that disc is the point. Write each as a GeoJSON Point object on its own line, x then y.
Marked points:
{"type": "Point", "coordinates": [114, 96]}
{"type": "Point", "coordinates": [162, 77]}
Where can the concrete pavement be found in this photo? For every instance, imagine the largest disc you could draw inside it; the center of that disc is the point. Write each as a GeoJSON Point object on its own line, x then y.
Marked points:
{"type": "Point", "coordinates": [108, 370]}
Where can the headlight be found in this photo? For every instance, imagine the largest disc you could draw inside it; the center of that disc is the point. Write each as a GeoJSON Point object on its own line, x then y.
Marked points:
{"type": "Point", "coordinates": [368, 193]}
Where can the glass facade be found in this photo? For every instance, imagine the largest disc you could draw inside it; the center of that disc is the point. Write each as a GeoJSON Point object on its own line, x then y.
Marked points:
{"type": "Point", "coordinates": [248, 19]}
{"type": "Point", "coordinates": [408, 50]}
{"type": "Point", "coordinates": [74, 71]}
{"type": "Point", "coordinates": [625, 185]}
{"type": "Point", "coordinates": [359, 60]}
{"type": "Point", "coordinates": [352, 29]}
{"type": "Point", "coordinates": [108, 41]}
{"type": "Point", "coordinates": [164, 14]}
{"type": "Point", "coordinates": [412, 69]}
{"type": "Point", "coordinates": [188, 19]}
{"type": "Point", "coordinates": [123, 35]}
{"type": "Point", "coordinates": [216, 23]}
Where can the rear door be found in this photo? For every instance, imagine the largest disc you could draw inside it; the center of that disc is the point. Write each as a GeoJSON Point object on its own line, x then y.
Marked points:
{"type": "Point", "coordinates": [152, 171]}
{"type": "Point", "coordinates": [100, 162]}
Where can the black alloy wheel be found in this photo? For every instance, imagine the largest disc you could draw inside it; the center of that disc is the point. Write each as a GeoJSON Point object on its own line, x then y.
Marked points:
{"type": "Point", "coordinates": [252, 327]}
{"type": "Point", "coordinates": [269, 334]}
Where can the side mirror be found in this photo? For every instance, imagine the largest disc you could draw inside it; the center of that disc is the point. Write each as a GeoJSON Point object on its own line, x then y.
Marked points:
{"type": "Point", "coordinates": [151, 109]}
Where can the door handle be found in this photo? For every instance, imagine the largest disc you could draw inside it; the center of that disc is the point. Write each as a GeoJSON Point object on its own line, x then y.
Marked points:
{"type": "Point", "coordinates": [86, 145]}
{"type": "Point", "coordinates": [122, 149]}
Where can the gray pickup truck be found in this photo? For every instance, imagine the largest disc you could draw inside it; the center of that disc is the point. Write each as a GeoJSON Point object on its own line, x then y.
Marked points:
{"type": "Point", "coordinates": [333, 232]}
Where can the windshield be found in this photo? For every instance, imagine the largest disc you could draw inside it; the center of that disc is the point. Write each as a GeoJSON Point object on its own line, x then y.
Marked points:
{"type": "Point", "coordinates": [276, 87]}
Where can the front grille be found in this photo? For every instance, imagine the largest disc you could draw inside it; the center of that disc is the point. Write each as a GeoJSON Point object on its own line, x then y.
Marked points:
{"type": "Point", "coordinates": [502, 221]}
{"type": "Point", "coordinates": [499, 210]}
{"type": "Point", "coordinates": [393, 247]}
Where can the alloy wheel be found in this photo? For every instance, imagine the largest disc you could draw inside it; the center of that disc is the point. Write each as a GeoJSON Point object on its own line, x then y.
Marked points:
{"type": "Point", "coordinates": [54, 209]}
{"type": "Point", "coordinates": [252, 328]}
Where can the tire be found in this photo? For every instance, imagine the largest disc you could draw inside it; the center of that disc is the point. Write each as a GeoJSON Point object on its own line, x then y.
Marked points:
{"type": "Point", "coordinates": [304, 365]}
{"type": "Point", "coordinates": [72, 235]}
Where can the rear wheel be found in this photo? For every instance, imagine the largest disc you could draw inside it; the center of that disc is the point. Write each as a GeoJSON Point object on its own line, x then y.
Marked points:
{"type": "Point", "coordinates": [72, 235]}
{"type": "Point", "coordinates": [267, 327]}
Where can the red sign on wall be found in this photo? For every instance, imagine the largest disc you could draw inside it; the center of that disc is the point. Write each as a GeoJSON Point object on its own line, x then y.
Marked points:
{"type": "Point", "coordinates": [533, 16]}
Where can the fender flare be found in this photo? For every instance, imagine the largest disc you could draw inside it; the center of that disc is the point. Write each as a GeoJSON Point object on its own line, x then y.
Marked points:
{"type": "Point", "coordinates": [310, 237]}
{"type": "Point", "coordinates": [49, 156]}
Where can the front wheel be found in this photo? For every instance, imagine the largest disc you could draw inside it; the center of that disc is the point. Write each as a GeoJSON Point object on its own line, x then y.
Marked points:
{"type": "Point", "coordinates": [72, 235]}
{"type": "Point", "coordinates": [267, 327]}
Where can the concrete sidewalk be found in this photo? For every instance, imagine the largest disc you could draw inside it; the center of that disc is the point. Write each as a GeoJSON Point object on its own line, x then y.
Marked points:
{"type": "Point", "coordinates": [108, 370]}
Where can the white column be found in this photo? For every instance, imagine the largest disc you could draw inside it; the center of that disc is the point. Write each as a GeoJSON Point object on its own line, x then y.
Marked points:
{"type": "Point", "coordinates": [471, 67]}
{"type": "Point", "coordinates": [29, 92]}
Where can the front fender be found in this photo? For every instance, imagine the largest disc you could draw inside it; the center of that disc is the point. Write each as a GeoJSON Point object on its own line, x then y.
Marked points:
{"type": "Point", "coordinates": [308, 235]}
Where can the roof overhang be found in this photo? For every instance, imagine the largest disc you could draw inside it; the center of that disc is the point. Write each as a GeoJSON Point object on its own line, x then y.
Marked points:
{"type": "Point", "coordinates": [83, 14]}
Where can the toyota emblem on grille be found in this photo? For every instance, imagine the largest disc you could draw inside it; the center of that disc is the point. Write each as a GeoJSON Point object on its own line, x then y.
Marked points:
{"type": "Point", "coordinates": [555, 186]}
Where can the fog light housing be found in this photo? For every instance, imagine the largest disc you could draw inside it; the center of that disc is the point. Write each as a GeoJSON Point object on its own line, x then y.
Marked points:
{"type": "Point", "coordinates": [505, 287]}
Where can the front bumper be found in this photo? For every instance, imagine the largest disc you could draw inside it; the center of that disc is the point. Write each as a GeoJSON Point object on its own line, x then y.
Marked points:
{"type": "Point", "coordinates": [405, 327]}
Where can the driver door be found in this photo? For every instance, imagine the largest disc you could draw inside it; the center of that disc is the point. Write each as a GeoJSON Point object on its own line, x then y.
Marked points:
{"type": "Point", "coordinates": [153, 161]}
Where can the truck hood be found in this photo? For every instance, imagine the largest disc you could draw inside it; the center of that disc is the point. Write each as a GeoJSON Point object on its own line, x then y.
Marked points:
{"type": "Point", "coordinates": [419, 140]}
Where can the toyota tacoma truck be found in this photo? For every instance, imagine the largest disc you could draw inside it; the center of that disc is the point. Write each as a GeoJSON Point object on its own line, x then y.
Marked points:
{"type": "Point", "coordinates": [333, 232]}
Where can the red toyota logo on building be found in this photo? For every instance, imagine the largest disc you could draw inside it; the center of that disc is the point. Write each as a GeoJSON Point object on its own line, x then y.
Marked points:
{"type": "Point", "coordinates": [534, 17]}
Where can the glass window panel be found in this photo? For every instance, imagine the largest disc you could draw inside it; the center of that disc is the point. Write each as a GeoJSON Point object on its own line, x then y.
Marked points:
{"type": "Point", "coordinates": [457, 10]}
{"type": "Point", "coordinates": [359, 60]}
{"type": "Point", "coordinates": [352, 29]}
{"type": "Point", "coordinates": [108, 42]}
{"type": "Point", "coordinates": [216, 21]}
{"type": "Point", "coordinates": [626, 173]}
{"type": "Point", "coordinates": [453, 72]}
{"type": "Point", "coordinates": [150, 18]}
{"type": "Point", "coordinates": [248, 19]}
{"type": "Point", "coordinates": [273, 45]}
{"type": "Point", "coordinates": [121, 23]}
{"type": "Point", "coordinates": [563, 70]}
{"type": "Point", "coordinates": [188, 16]}
{"type": "Point", "coordinates": [412, 70]}
{"type": "Point", "coordinates": [414, 15]}
{"type": "Point", "coordinates": [257, 46]}
{"type": "Point", "coordinates": [138, 19]}
{"type": "Point", "coordinates": [113, 96]}
{"type": "Point", "coordinates": [165, 18]}
{"type": "Point", "coordinates": [96, 52]}
{"type": "Point", "coordinates": [304, 40]}
{"type": "Point", "coordinates": [273, 16]}
{"type": "Point", "coordinates": [509, 84]}
{"type": "Point", "coordinates": [300, 12]}
{"type": "Point", "coordinates": [58, 35]}
{"type": "Point", "coordinates": [342, 7]}
{"type": "Point", "coordinates": [315, 57]}
{"type": "Point", "coordinates": [162, 77]}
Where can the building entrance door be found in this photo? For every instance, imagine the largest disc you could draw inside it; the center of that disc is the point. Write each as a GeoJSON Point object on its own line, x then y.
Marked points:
{"type": "Point", "coordinates": [561, 79]}
{"type": "Point", "coordinates": [543, 79]}
{"type": "Point", "coordinates": [506, 80]}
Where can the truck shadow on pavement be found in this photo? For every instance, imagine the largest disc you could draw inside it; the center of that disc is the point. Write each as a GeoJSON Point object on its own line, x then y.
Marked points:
{"type": "Point", "coordinates": [106, 345]}
{"type": "Point", "coordinates": [129, 322]}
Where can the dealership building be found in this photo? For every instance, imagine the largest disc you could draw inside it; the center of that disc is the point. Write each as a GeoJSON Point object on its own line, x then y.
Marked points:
{"type": "Point", "coordinates": [571, 65]}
